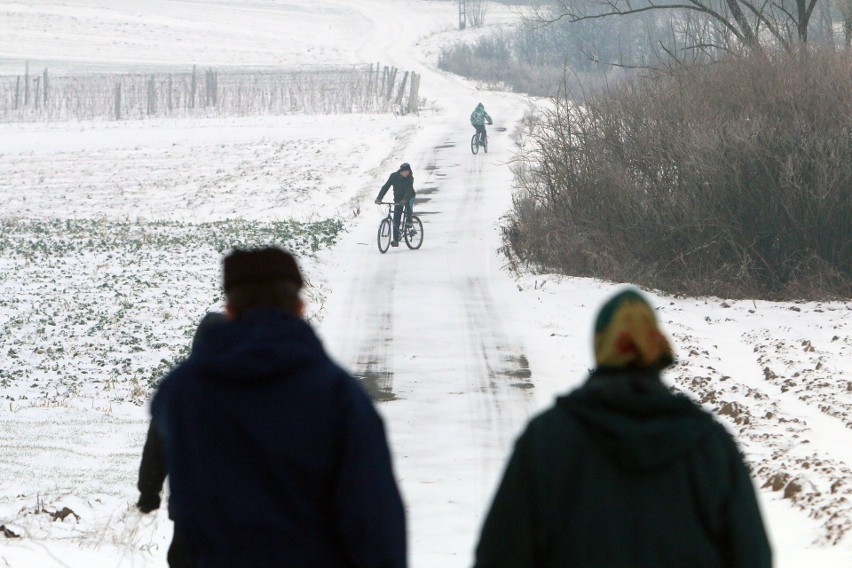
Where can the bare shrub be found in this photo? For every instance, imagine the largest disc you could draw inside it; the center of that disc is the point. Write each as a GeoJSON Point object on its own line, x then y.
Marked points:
{"type": "Point", "coordinates": [496, 60]}
{"type": "Point", "coordinates": [732, 179]}
{"type": "Point", "coordinates": [476, 10]}
{"type": "Point", "coordinates": [531, 58]}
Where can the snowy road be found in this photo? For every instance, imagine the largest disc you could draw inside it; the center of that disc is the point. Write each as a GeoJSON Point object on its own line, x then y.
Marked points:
{"type": "Point", "coordinates": [427, 329]}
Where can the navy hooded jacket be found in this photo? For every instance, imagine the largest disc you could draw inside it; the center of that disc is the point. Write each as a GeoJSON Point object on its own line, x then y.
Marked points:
{"type": "Point", "coordinates": [275, 455]}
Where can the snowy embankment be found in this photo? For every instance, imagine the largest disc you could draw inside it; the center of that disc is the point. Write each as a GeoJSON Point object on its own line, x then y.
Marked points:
{"type": "Point", "coordinates": [110, 249]}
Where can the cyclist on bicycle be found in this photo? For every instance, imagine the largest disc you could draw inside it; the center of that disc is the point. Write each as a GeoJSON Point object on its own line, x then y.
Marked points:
{"type": "Point", "coordinates": [478, 119]}
{"type": "Point", "coordinates": [402, 181]}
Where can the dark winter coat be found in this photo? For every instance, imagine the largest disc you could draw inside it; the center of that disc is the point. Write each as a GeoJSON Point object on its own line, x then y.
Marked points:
{"type": "Point", "coordinates": [623, 474]}
{"type": "Point", "coordinates": [276, 456]}
{"type": "Point", "coordinates": [152, 468]}
{"type": "Point", "coordinates": [152, 472]}
{"type": "Point", "coordinates": [403, 187]}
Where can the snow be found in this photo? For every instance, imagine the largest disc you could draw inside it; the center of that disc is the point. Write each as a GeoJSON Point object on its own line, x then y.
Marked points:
{"type": "Point", "coordinates": [113, 233]}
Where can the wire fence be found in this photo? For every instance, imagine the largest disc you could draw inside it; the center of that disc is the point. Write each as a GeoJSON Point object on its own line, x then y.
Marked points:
{"type": "Point", "coordinates": [369, 88]}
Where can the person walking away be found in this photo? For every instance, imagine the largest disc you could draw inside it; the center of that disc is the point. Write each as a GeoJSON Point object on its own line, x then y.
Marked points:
{"type": "Point", "coordinates": [402, 182]}
{"type": "Point", "coordinates": [275, 455]}
{"type": "Point", "coordinates": [152, 468]}
{"type": "Point", "coordinates": [622, 472]}
{"type": "Point", "coordinates": [478, 119]}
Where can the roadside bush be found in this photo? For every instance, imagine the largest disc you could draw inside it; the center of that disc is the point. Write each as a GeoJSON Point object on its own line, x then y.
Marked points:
{"type": "Point", "coordinates": [531, 57]}
{"type": "Point", "coordinates": [733, 179]}
{"type": "Point", "coordinates": [490, 59]}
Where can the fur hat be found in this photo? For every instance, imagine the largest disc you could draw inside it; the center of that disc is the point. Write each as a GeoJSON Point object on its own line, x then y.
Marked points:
{"type": "Point", "coordinates": [627, 334]}
{"type": "Point", "coordinates": [260, 265]}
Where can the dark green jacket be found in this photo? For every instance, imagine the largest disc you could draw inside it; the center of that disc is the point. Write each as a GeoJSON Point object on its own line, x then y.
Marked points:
{"type": "Point", "coordinates": [623, 474]}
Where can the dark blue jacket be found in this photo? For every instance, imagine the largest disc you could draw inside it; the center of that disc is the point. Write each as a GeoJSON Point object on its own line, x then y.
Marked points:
{"type": "Point", "coordinates": [275, 455]}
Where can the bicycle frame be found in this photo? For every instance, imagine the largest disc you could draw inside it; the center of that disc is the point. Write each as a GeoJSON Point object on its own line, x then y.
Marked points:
{"type": "Point", "coordinates": [390, 205]}
{"type": "Point", "coordinates": [479, 140]}
{"type": "Point", "coordinates": [411, 230]}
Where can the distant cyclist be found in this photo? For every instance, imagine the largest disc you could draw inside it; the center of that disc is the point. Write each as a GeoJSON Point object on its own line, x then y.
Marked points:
{"type": "Point", "coordinates": [478, 118]}
{"type": "Point", "coordinates": [402, 181]}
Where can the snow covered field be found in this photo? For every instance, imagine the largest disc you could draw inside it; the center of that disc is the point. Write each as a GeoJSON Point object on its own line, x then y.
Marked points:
{"type": "Point", "coordinates": [112, 235]}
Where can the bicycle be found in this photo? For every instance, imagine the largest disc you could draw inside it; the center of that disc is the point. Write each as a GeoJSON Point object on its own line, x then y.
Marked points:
{"type": "Point", "coordinates": [479, 140]}
{"type": "Point", "coordinates": [412, 229]}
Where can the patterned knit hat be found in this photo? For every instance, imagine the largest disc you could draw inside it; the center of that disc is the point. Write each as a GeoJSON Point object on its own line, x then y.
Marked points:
{"type": "Point", "coordinates": [627, 335]}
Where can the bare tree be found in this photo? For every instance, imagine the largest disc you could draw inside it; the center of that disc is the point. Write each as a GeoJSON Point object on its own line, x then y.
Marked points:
{"type": "Point", "coordinates": [845, 8]}
{"type": "Point", "coordinates": [709, 24]}
{"type": "Point", "coordinates": [475, 10]}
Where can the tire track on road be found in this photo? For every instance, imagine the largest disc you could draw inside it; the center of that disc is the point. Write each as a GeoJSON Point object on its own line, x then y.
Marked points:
{"type": "Point", "coordinates": [504, 380]}
{"type": "Point", "coordinates": [374, 362]}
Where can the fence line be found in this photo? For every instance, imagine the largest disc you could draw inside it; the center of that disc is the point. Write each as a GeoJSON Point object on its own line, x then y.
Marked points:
{"type": "Point", "coordinates": [361, 89]}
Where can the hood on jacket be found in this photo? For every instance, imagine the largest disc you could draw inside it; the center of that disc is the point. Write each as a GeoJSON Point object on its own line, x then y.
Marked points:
{"type": "Point", "coordinates": [264, 344]}
{"type": "Point", "coordinates": [480, 106]}
{"type": "Point", "coordinates": [635, 420]}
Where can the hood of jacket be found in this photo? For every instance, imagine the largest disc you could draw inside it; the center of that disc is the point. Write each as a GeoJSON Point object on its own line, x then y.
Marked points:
{"type": "Point", "coordinates": [264, 344]}
{"type": "Point", "coordinates": [635, 419]}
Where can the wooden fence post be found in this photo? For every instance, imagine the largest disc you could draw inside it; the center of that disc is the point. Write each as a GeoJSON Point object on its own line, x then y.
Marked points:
{"type": "Point", "coordinates": [118, 101]}
{"type": "Point", "coordinates": [152, 97]}
{"type": "Point", "coordinates": [385, 76]}
{"type": "Point", "coordinates": [401, 89]}
{"type": "Point", "coordinates": [192, 88]}
{"type": "Point", "coordinates": [391, 81]}
{"type": "Point", "coordinates": [27, 85]}
{"type": "Point", "coordinates": [44, 86]}
{"type": "Point", "coordinates": [210, 88]}
{"type": "Point", "coordinates": [370, 84]}
{"type": "Point", "coordinates": [414, 93]}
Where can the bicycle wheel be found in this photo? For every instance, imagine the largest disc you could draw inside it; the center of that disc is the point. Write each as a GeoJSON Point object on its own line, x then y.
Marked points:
{"type": "Point", "coordinates": [414, 233]}
{"type": "Point", "coordinates": [384, 236]}
{"type": "Point", "coordinates": [474, 143]}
